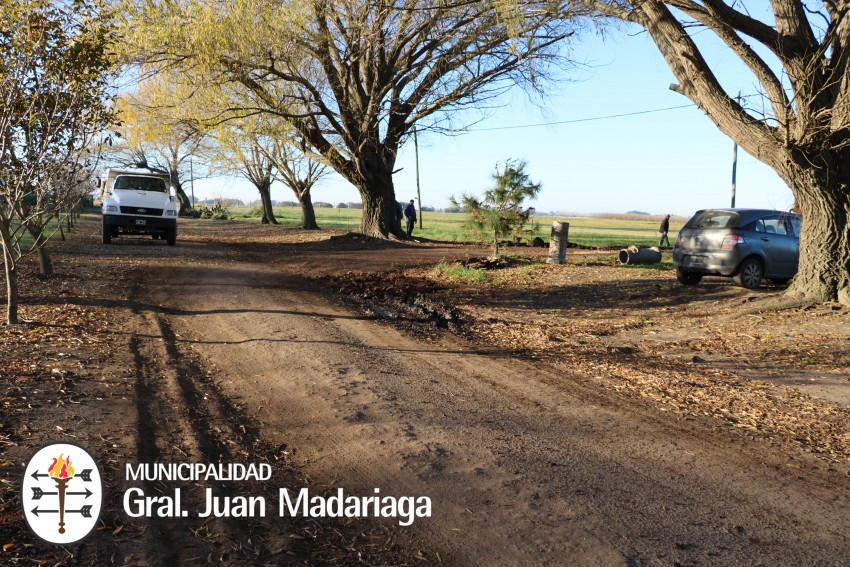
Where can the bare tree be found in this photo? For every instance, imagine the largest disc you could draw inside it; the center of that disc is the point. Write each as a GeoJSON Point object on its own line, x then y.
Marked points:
{"type": "Point", "coordinates": [354, 77]}
{"type": "Point", "coordinates": [300, 173]}
{"type": "Point", "coordinates": [62, 189]}
{"type": "Point", "coordinates": [243, 149]}
{"type": "Point", "coordinates": [55, 66]}
{"type": "Point", "coordinates": [800, 58]}
{"type": "Point", "coordinates": [159, 132]}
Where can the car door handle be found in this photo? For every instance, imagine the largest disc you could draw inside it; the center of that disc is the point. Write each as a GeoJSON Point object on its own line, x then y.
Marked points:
{"type": "Point", "coordinates": [765, 238]}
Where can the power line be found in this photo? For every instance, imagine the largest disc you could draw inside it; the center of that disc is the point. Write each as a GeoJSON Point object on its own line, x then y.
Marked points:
{"type": "Point", "coordinates": [577, 120]}
{"type": "Point", "coordinates": [595, 118]}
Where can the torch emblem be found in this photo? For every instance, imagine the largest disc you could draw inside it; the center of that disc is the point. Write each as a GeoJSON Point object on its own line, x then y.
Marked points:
{"type": "Point", "coordinates": [62, 493]}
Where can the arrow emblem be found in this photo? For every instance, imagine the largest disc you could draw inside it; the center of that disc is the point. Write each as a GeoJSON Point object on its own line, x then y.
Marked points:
{"type": "Point", "coordinates": [85, 511]}
{"type": "Point", "coordinates": [37, 493]}
{"type": "Point", "coordinates": [85, 475]}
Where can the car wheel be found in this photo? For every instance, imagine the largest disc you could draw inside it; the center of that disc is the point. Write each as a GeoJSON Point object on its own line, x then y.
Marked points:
{"type": "Point", "coordinates": [749, 274]}
{"type": "Point", "coordinates": [688, 278]}
{"type": "Point", "coordinates": [171, 236]}
{"type": "Point", "coordinates": [106, 237]}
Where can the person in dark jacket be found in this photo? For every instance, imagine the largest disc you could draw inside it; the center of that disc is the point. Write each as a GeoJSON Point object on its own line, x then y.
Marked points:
{"type": "Point", "coordinates": [410, 215]}
{"type": "Point", "coordinates": [664, 229]}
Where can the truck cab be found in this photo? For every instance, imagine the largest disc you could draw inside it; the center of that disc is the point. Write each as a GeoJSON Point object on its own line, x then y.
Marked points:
{"type": "Point", "coordinates": [138, 202]}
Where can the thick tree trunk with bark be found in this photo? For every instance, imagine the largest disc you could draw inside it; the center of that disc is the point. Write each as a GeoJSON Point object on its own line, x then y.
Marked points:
{"type": "Point", "coordinates": [266, 200]}
{"type": "Point", "coordinates": [379, 201]}
{"type": "Point", "coordinates": [308, 215]}
{"type": "Point", "coordinates": [823, 200]}
{"type": "Point", "coordinates": [185, 202]}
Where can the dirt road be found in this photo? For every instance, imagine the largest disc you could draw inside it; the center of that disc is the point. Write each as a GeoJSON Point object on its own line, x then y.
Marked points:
{"type": "Point", "coordinates": [227, 348]}
{"type": "Point", "coordinates": [524, 464]}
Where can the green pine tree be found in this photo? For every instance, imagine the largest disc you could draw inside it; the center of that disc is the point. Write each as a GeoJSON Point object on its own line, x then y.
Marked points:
{"type": "Point", "coordinates": [499, 213]}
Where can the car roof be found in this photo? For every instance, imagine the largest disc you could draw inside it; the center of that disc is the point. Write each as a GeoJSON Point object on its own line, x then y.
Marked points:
{"type": "Point", "coordinates": [746, 213]}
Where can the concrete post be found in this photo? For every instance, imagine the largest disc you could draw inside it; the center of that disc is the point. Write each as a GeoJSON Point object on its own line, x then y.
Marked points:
{"type": "Point", "coordinates": [558, 243]}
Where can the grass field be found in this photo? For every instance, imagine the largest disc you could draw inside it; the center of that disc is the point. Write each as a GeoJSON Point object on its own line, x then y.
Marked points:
{"type": "Point", "coordinates": [587, 231]}
{"type": "Point", "coordinates": [25, 240]}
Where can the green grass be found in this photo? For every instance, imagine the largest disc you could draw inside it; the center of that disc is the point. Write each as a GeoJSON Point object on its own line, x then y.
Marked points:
{"type": "Point", "coordinates": [458, 272]}
{"type": "Point", "coordinates": [26, 241]}
{"type": "Point", "coordinates": [587, 231]}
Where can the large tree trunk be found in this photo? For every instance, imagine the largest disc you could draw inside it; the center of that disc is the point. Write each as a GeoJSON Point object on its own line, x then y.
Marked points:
{"type": "Point", "coordinates": [185, 202]}
{"type": "Point", "coordinates": [308, 215]}
{"type": "Point", "coordinates": [823, 200]}
{"type": "Point", "coordinates": [266, 200]}
{"type": "Point", "coordinates": [379, 203]}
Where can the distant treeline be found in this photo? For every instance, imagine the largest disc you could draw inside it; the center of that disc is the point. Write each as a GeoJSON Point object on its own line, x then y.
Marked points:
{"type": "Point", "coordinates": [630, 216]}
{"type": "Point", "coordinates": [637, 217]}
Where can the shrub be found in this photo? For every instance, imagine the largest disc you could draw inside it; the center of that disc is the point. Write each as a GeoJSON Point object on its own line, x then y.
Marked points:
{"type": "Point", "coordinates": [216, 212]}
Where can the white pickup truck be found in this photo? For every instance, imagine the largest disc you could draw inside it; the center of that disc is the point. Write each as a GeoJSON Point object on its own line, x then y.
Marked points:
{"type": "Point", "coordinates": [138, 202]}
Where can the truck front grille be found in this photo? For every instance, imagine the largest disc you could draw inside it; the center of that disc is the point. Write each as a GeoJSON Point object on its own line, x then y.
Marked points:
{"type": "Point", "coordinates": [141, 211]}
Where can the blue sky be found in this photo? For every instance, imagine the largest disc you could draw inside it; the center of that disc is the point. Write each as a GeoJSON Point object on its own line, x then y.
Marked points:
{"type": "Point", "coordinates": [673, 161]}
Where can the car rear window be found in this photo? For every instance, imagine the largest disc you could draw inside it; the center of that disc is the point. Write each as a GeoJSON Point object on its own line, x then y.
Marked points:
{"type": "Point", "coordinates": [140, 183]}
{"type": "Point", "coordinates": [713, 219]}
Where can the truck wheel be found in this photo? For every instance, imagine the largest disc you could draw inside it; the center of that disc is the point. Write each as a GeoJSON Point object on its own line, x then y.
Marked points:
{"type": "Point", "coordinates": [107, 234]}
{"type": "Point", "coordinates": [171, 236]}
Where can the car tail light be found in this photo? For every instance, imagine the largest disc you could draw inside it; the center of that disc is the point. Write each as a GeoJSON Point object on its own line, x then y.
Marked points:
{"type": "Point", "coordinates": [731, 240]}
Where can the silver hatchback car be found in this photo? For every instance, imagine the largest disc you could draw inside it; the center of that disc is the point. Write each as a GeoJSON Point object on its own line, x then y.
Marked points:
{"type": "Point", "coordinates": [747, 244]}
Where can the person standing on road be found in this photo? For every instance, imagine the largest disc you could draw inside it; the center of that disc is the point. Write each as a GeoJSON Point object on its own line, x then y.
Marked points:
{"type": "Point", "coordinates": [410, 214]}
{"type": "Point", "coordinates": [664, 229]}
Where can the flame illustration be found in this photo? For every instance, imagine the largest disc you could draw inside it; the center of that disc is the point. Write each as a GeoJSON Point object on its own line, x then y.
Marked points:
{"type": "Point", "coordinates": [61, 467]}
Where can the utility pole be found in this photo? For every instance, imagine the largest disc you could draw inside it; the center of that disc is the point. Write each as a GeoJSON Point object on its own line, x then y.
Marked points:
{"type": "Point", "coordinates": [735, 161]}
{"type": "Point", "coordinates": [192, 181]}
{"type": "Point", "coordinates": [418, 192]}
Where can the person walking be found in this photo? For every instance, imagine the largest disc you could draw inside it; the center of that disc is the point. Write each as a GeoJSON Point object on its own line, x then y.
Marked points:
{"type": "Point", "coordinates": [664, 229]}
{"type": "Point", "coordinates": [410, 215]}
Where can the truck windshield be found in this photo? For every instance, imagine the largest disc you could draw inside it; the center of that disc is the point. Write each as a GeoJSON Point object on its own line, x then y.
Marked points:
{"type": "Point", "coordinates": [141, 183]}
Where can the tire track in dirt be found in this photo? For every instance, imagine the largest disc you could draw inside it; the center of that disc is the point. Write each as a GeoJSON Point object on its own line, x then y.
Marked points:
{"type": "Point", "coordinates": [526, 463]}
{"type": "Point", "coordinates": [158, 536]}
{"type": "Point", "coordinates": [182, 417]}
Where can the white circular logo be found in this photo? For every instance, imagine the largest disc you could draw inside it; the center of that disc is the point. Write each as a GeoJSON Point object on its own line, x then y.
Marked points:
{"type": "Point", "coordinates": [62, 493]}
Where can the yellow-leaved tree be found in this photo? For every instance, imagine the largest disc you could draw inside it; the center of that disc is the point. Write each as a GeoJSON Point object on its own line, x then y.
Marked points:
{"type": "Point", "coordinates": [353, 78]}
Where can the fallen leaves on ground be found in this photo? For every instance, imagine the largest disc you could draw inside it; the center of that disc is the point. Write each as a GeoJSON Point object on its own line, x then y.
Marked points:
{"type": "Point", "coordinates": [692, 350]}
